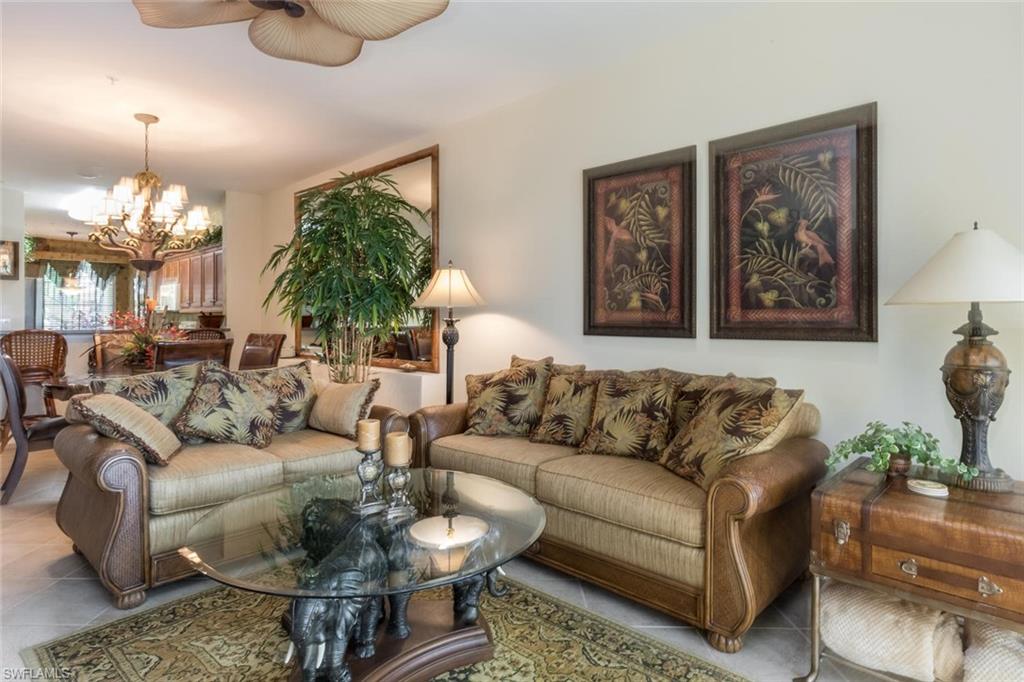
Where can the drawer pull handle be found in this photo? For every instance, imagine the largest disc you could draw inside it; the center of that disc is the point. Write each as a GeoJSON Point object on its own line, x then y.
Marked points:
{"type": "Point", "coordinates": [987, 588]}
{"type": "Point", "coordinates": [909, 566]}
{"type": "Point", "coordinates": [841, 529]}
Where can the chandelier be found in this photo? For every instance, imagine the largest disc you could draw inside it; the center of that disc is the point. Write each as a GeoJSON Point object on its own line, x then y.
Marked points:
{"type": "Point", "coordinates": [133, 219]}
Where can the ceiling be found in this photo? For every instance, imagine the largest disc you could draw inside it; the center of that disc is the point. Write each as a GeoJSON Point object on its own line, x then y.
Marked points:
{"type": "Point", "coordinates": [74, 73]}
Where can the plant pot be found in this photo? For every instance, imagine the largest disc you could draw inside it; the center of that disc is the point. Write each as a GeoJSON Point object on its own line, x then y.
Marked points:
{"type": "Point", "coordinates": [899, 464]}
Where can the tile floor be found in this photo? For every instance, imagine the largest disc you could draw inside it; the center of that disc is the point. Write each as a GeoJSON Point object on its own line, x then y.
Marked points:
{"type": "Point", "coordinates": [46, 591]}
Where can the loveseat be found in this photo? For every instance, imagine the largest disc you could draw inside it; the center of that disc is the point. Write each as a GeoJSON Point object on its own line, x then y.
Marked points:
{"type": "Point", "coordinates": [128, 517]}
{"type": "Point", "coordinates": [714, 557]}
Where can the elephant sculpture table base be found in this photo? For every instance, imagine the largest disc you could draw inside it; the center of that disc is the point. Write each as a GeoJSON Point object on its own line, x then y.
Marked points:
{"type": "Point", "coordinates": [415, 640]}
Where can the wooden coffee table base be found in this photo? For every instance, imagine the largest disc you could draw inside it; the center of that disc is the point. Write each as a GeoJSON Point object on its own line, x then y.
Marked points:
{"type": "Point", "coordinates": [436, 645]}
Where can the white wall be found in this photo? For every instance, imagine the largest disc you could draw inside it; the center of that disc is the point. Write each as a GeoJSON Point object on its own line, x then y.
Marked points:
{"type": "Point", "coordinates": [12, 228]}
{"type": "Point", "coordinates": [948, 82]}
{"type": "Point", "coordinates": [243, 259]}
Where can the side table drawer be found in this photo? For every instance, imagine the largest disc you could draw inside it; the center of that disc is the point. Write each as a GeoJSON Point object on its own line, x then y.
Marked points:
{"type": "Point", "coordinates": [960, 581]}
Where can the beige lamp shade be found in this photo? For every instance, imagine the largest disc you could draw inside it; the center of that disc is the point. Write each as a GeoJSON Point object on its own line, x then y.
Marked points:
{"type": "Point", "coordinates": [449, 540]}
{"type": "Point", "coordinates": [449, 288]}
{"type": "Point", "coordinates": [976, 266]}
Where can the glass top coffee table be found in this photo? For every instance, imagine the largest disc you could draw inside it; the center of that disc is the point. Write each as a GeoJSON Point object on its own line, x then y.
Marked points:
{"type": "Point", "coordinates": [351, 574]}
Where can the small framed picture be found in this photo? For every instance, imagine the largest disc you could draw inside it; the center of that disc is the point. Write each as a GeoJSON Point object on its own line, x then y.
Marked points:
{"type": "Point", "coordinates": [8, 260]}
{"type": "Point", "coordinates": [638, 277]}
{"type": "Point", "coordinates": [793, 250]}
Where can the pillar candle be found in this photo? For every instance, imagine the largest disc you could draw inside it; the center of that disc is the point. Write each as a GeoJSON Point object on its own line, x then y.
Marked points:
{"type": "Point", "coordinates": [397, 449]}
{"type": "Point", "coordinates": [368, 435]}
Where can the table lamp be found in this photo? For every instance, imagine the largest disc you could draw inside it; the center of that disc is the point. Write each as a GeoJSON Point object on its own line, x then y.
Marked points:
{"type": "Point", "coordinates": [449, 288]}
{"type": "Point", "coordinates": [975, 267]}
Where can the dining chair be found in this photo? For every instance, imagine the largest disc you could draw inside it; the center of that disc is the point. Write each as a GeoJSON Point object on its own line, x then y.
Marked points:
{"type": "Point", "coordinates": [205, 335]}
{"type": "Point", "coordinates": [169, 354]}
{"type": "Point", "coordinates": [107, 348]}
{"type": "Point", "coordinates": [261, 351]}
{"type": "Point", "coordinates": [40, 355]}
{"type": "Point", "coordinates": [29, 433]}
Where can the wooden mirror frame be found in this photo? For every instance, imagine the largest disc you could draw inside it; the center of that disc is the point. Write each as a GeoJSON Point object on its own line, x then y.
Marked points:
{"type": "Point", "coordinates": [434, 364]}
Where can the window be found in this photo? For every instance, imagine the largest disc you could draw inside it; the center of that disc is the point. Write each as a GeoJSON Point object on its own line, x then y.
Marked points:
{"type": "Point", "coordinates": [87, 308]}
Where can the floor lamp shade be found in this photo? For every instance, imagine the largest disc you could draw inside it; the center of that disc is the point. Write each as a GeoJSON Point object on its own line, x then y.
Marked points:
{"type": "Point", "coordinates": [975, 267]}
{"type": "Point", "coordinates": [449, 288]}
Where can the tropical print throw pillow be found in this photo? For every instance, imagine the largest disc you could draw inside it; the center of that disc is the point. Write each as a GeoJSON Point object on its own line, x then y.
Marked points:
{"type": "Point", "coordinates": [507, 402]}
{"type": "Point", "coordinates": [728, 423]}
{"type": "Point", "coordinates": [295, 391]}
{"type": "Point", "coordinates": [229, 407]}
{"type": "Point", "coordinates": [556, 368]}
{"type": "Point", "coordinates": [631, 418]}
{"type": "Point", "coordinates": [162, 394]}
{"type": "Point", "coordinates": [567, 410]}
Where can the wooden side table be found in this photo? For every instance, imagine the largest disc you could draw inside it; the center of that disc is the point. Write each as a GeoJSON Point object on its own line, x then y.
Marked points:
{"type": "Point", "coordinates": [963, 554]}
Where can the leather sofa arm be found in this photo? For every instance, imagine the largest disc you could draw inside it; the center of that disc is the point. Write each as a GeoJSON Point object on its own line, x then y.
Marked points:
{"type": "Point", "coordinates": [105, 509]}
{"type": "Point", "coordinates": [427, 424]}
{"type": "Point", "coordinates": [759, 483]}
{"type": "Point", "coordinates": [757, 535]}
{"type": "Point", "coordinates": [92, 457]}
{"type": "Point", "coordinates": [391, 420]}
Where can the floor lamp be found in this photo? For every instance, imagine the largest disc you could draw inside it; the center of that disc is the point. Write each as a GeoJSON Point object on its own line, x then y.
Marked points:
{"type": "Point", "coordinates": [449, 288]}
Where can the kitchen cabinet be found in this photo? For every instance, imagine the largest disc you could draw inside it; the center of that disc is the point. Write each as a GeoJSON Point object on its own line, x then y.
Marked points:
{"type": "Point", "coordinates": [198, 277]}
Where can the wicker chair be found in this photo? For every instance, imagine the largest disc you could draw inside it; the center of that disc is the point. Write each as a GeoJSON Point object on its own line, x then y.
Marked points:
{"type": "Point", "coordinates": [40, 356]}
{"type": "Point", "coordinates": [205, 335]}
{"type": "Point", "coordinates": [261, 351]}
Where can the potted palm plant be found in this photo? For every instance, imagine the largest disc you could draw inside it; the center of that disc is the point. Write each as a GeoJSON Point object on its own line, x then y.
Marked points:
{"type": "Point", "coordinates": [355, 264]}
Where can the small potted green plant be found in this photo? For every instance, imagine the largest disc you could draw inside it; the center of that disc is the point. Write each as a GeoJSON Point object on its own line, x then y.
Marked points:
{"type": "Point", "coordinates": [893, 448]}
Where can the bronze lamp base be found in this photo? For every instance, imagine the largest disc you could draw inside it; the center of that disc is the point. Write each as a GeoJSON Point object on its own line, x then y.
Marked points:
{"type": "Point", "coordinates": [975, 374]}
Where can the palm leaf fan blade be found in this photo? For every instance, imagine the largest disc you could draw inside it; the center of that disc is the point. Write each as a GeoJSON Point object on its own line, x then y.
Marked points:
{"type": "Point", "coordinates": [307, 38]}
{"type": "Point", "coordinates": [192, 13]}
{"type": "Point", "coordinates": [377, 20]}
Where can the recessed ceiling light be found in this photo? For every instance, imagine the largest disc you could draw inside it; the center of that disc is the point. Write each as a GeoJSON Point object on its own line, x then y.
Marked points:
{"type": "Point", "coordinates": [88, 173]}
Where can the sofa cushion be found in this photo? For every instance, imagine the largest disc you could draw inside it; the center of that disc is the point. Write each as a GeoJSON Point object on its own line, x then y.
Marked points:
{"type": "Point", "coordinates": [507, 402]}
{"type": "Point", "coordinates": [309, 452]}
{"type": "Point", "coordinates": [293, 386]}
{"type": "Point", "coordinates": [730, 422]}
{"type": "Point", "coordinates": [229, 407]}
{"type": "Point", "coordinates": [122, 419]}
{"type": "Point", "coordinates": [631, 418]}
{"type": "Point", "coordinates": [567, 410]}
{"type": "Point", "coordinates": [625, 546]}
{"type": "Point", "coordinates": [168, 532]}
{"type": "Point", "coordinates": [512, 460]}
{"type": "Point", "coordinates": [642, 496]}
{"type": "Point", "coordinates": [339, 407]}
{"type": "Point", "coordinates": [211, 473]}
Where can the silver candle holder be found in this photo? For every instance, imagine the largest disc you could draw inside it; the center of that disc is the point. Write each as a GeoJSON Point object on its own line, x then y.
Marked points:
{"type": "Point", "coordinates": [398, 479]}
{"type": "Point", "coordinates": [369, 471]}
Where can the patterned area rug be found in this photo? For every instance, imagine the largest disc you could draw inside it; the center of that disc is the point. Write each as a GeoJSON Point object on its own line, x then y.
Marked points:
{"type": "Point", "coordinates": [227, 634]}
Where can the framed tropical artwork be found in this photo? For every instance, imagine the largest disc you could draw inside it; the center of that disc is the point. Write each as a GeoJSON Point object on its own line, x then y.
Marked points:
{"type": "Point", "coordinates": [638, 277]}
{"type": "Point", "coordinates": [792, 213]}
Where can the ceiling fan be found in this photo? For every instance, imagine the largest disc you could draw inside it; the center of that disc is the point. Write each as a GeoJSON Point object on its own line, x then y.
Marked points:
{"type": "Point", "coordinates": [324, 32]}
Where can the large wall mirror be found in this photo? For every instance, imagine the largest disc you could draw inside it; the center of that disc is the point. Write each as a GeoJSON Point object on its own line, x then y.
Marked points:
{"type": "Point", "coordinates": [415, 346]}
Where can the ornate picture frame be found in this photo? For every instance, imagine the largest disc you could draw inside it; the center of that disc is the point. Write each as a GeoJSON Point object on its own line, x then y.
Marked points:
{"type": "Point", "coordinates": [639, 221]}
{"type": "Point", "coordinates": [8, 260]}
{"type": "Point", "coordinates": [793, 230]}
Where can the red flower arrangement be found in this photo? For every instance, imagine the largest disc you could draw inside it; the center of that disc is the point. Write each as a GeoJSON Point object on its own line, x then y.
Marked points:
{"type": "Point", "coordinates": [139, 349]}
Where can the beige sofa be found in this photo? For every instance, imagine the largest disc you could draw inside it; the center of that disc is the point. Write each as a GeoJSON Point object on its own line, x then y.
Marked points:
{"type": "Point", "coordinates": [128, 518]}
{"type": "Point", "coordinates": [714, 559]}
